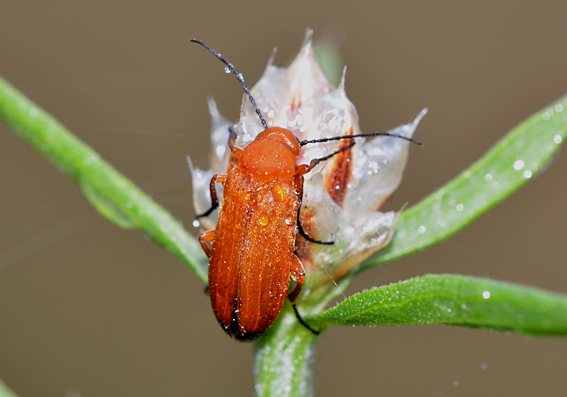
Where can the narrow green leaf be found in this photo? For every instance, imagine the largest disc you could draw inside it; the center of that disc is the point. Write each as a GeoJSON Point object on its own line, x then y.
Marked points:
{"type": "Point", "coordinates": [283, 359]}
{"type": "Point", "coordinates": [513, 161]}
{"type": "Point", "coordinates": [106, 207]}
{"type": "Point", "coordinates": [111, 193]}
{"type": "Point", "coordinates": [453, 300]}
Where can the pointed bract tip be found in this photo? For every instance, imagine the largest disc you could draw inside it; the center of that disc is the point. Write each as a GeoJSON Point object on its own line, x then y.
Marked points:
{"type": "Point", "coordinates": [272, 57]}
{"type": "Point", "coordinates": [213, 109]}
{"type": "Point", "coordinates": [307, 41]}
{"type": "Point", "coordinates": [419, 117]}
{"type": "Point", "coordinates": [343, 77]}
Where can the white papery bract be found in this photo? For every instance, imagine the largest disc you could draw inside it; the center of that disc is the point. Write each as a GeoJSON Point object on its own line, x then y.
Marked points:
{"type": "Point", "coordinates": [342, 195]}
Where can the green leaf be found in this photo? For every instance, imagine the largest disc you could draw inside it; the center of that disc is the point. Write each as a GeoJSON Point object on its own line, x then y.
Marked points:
{"type": "Point", "coordinates": [517, 158]}
{"type": "Point", "coordinates": [110, 192]}
{"type": "Point", "coordinates": [5, 391]}
{"type": "Point", "coordinates": [453, 300]}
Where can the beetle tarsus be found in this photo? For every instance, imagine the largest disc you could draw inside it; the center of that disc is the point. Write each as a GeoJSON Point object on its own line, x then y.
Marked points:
{"type": "Point", "coordinates": [209, 211]}
{"type": "Point", "coordinates": [302, 232]}
{"type": "Point", "coordinates": [303, 321]}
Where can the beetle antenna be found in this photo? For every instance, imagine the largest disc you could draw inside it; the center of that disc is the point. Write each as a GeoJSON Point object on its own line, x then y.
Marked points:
{"type": "Point", "coordinates": [316, 161]}
{"type": "Point", "coordinates": [238, 76]}
{"type": "Point", "coordinates": [338, 138]}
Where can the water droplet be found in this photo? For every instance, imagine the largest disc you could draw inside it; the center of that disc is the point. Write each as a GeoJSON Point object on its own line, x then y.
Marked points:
{"type": "Point", "coordinates": [456, 383]}
{"type": "Point", "coordinates": [549, 112]}
{"type": "Point", "coordinates": [463, 306]}
{"type": "Point", "coordinates": [557, 139]}
{"type": "Point", "coordinates": [227, 70]}
{"type": "Point", "coordinates": [545, 116]}
{"type": "Point", "coordinates": [271, 113]}
{"type": "Point", "coordinates": [459, 207]}
{"type": "Point", "coordinates": [527, 174]}
{"type": "Point", "coordinates": [559, 108]}
{"type": "Point", "coordinates": [196, 223]}
{"type": "Point", "coordinates": [289, 221]}
{"type": "Point", "coordinates": [483, 366]}
{"type": "Point", "coordinates": [488, 177]}
{"type": "Point", "coordinates": [467, 174]}
{"type": "Point", "coordinates": [421, 229]}
{"type": "Point", "coordinates": [486, 294]}
{"type": "Point", "coordinates": [263, 220]}
{"type": "Point", "coordinates": [518, 165]}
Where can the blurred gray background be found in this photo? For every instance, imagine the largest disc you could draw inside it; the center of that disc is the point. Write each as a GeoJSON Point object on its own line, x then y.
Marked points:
{"type": "Point", "coordinates": [92, 310]}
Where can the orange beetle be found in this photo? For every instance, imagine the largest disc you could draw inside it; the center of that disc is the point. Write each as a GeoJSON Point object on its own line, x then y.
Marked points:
{"type": "Point", "coordinates": [252, 258]}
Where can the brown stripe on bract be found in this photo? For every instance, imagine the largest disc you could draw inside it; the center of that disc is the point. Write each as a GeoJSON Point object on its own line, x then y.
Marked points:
{"type": "Point", "coordinates": [336, 180]}
{"type": "Point", "coordinates": [296, 102]}
{"type": "Point", "coordinates": [381, 203]}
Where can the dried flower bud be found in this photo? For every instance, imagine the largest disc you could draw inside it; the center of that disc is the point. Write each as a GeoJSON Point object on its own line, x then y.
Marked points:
{"type": "Point", "coordinates": [342, 195]}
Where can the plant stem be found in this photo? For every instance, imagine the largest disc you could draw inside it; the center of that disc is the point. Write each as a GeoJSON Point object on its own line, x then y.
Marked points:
{"type": "Point", "coordinates": [283, 359]}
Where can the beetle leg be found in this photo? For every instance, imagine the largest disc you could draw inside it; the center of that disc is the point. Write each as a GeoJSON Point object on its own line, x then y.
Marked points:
{"type": "Point", "coordinates": [217, 178]}
{"type": "Point", "coordinates": [231, 139]}
{"type": "Point", "coordinates": [297, 274]}
{"type": "Point", "coordinates": [302, 232]}
{"type": "Point", "coordinates": [206, 237]}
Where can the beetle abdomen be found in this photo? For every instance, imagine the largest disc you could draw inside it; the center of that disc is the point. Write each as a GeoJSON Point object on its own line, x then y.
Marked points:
{"type": "Point", "coordinates": [250, 262]}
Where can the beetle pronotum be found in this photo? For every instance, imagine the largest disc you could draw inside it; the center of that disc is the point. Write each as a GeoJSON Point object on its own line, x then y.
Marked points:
{"type": "Point", "coordinates": [252, 257]}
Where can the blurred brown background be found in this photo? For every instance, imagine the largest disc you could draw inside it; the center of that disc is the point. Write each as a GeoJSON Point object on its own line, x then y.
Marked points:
{"type": "Point", "coordinates": [87, 309]}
